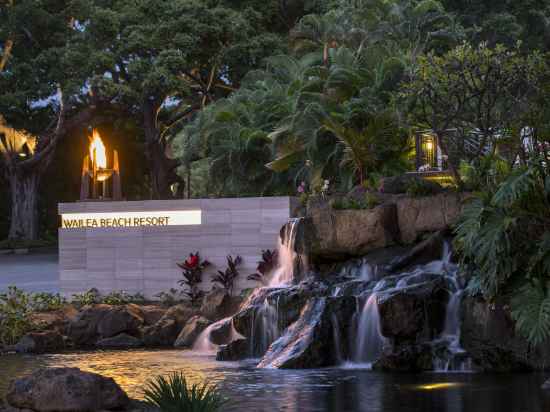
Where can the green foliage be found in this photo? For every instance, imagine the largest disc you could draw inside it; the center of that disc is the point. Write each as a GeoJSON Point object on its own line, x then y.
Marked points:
{"type": "Point", "coordinates": [122, 298]}
{"type": "Point", "coordinates": [421, 187]}
{"type": "Point", "coordinates": [46, 302]}
{"type": "Point", "coordinates": [484, 173]}
{"type": "Point", "coordinates": [15, 310]}
{"type": "Point", "coordinates": [504, 236]}
{"type": "Point", "coordinates": [369, 201]}
{"type": "Point", "coordinates": [174, 394]}
{"type": "Point", "coordinates": [192, 270]}
{"type": "Point", "coordinates": [170, 298]}
{"type": "Point", "coordinates": [91, 297]}
{"type": "Point", "coordinates": [227, 278]}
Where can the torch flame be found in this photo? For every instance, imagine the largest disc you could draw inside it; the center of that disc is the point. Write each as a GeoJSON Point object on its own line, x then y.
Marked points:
{"type": "Point", "coordinates": [99, 147]}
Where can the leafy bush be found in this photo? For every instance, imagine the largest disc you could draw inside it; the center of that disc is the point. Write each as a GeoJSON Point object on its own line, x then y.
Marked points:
{"type": "Point", "coordinates": [170, 298]}
{"type": "Point", "coordinates": [265, 266]}
{"type": "Point", "coordinates": [193, 268]}
{"type": "Point", "coordinates": [504, 236]}
{"type": "Point", "coordinates": [421, 187]}
{"type": "Point", "coordinates": [91, 297]}
{"type": "Point", "coordinates": [173, 394]}
{"type": "Point", "coordinates": [227, 278]}
{"type": "Point", "coordinates": [122, 298]}
{"type": "Point", "coordinates": [15, 310]}
{"type": "Point", "coordinates": [45, 302]}
{"type": "Point", "coordinates": [369, 201]}
{"type": "Point", "coordinates": [485, 173]}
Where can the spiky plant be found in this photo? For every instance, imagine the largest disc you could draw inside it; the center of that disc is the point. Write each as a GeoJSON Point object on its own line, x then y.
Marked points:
{"type": "Point", "coordinates": [227, 278]}
{"type": "Point", "coordinates": [265, 266]}
{"type": "Point", "coordinates": [174, 394]}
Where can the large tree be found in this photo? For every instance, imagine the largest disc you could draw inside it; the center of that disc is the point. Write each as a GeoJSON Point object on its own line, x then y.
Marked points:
{"type": "Point", "coordinates": [40, 86]}
{"type": "Point", "coordinates": [163, 61]}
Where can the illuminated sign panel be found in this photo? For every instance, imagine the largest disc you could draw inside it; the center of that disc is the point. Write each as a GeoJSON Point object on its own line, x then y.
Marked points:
{"type": "Point", "coordinates": [131, 219]}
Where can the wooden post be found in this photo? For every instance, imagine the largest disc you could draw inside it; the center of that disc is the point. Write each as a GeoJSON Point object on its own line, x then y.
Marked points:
{"type": "Point", "coordinates": [117, 192]}
{"type": "Point", "coordinates": [85, 179]}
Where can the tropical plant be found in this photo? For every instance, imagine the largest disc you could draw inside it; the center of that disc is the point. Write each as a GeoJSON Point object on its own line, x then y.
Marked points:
{"type": "Point", "coordinates": [193, 268]}
{"type": "Point", "coordinates": [504, 238]}
{"type": "Point", "coordinates": [174, 394]}
{"type": "Point", "coordinates": [45, 302]}
{"type": "Point", "coordinates": [90, 297]}
{"type": "Point", "coordinates": [15, 310]}
{"type": "Point", "coordinates": [227, 278]}
{"type": "Point", "coordinates": [121, 297]}
{"type": "Point", "coordinates": [265, 267]}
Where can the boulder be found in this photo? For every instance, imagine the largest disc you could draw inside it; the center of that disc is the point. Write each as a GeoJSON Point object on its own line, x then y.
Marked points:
{"type": "Point", "coordinates": [412, 358]}
{"type": "Point", "coordinates": [341, 234]}
{"type": "Point", "coordinates": [41, 342]}
{"type": "Point", "coordinates": [309, 342]}
{"type": "Point", "coordinates": [82, 329]}
{"type": "Point", "coordinates": [66, 389]}
{"type": "Point", "coordinates": [166, 330]}
{"type": "Point", "coordinates": [57, 320]}
{"type": "Point", "coordinates": [402, 184]}
{"type": "Point", "coordinates": [122, 341]}
{"type": "Point", "coordinates": [488, 334]}
{"type": "Point", "coordinates": [218, 304]}
{"type": "Point", "coordinates": [120, 319]}
{"type": "Point", "coordinates": [191, 331]}
{"type": "Point", "coordinates": [415, 312]}
{"type": "Point", "coordinates": [151, 314]}
{"type": "Point", "coordinates": [426, 251]}
{"type": "Point", "coordinates": [237, 350]}
{"type": "Point", "coordinates": [221, 332]}
{"type": "Point", "coordinates": [419, 215]}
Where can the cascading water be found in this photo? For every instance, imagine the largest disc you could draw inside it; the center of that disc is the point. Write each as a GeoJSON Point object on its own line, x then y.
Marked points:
{"type": "Point", "coordinates": [284, 274]}
{"type": "Point", "coordinates": [204, 344]}
{"type": "Point", "coordinates": [264, 328]}
{"type": "Point", "coordinates": [369, 341]}
{"type": "Point", "coordinates": [337, 339]}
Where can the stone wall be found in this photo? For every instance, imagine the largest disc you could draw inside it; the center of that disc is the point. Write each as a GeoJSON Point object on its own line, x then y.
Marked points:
{"type": "Point", "coordinates": [143, 259]}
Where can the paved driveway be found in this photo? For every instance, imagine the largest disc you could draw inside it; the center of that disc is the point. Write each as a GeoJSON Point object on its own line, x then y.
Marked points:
{"type": "Point", "coordinates": [35, 272]}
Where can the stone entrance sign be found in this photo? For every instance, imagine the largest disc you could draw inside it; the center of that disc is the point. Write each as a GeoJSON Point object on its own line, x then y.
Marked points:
{"type": "Point", "coordinates": [134, 246]}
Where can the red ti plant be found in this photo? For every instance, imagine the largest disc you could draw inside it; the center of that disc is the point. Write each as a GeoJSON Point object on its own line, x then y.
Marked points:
{"type": "Point", "coordinates": [193, 268]}
{"type": "Point", "coordinates": [265, 266]}
{"type": "Point", "coordinates": [227, 278]}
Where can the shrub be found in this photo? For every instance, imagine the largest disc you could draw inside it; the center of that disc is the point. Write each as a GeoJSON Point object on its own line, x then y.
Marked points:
{"type": "Point", "coordinates": [45, 302]}
{"type": "Point", "coordinates": [170, 298]}
{"type": "Point", "coordinates": [265, 267]}
{"type": "Point", "coordinates": [122, 298]}
{"type": "Point", "coordinates": [91, 297]}
{"type": "Point", "coordinates": [227, 278]}
{"type": "Point", "coordinates": [193, 268]}
{"type": "Point", "coordinates": [15, 310]}
{"type": "Point", "coordinates": [173, 394]}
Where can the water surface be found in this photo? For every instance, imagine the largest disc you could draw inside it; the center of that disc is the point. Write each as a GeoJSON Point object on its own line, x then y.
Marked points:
{"type": "Point", "coordinates": [334, 390]}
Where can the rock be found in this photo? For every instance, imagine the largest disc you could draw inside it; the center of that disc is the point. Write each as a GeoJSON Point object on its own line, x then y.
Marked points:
{"type": "Point", "coordinates": [66, 389]}
{"type": "Point", "coordinates": [424, 252]}
{"type": "Point", "coordinates": [221, 332]}
{"type": "Point", "coordinates": [167, 329]}
{"type": "Point", "coordinates": [122, 341]}
{"type": "Point", "coordinates": [104, 321]}
{"type": "Point", "coordinates": [413, 358]}
{"type": "Point", "coordinates": [309, 342]}
{"type": "Point", "coordinates": [57, 320]}
{"type": "Point", "coordinates": [340, 234]}
{"type": "Point", "coordinates": [191, 331]}
{"type": "Point", "coordinates": [218, 304]}
{"type": "Point", "coordinates": [237, 350]}
{"type": "Point", "coordinates": [419, 215]}
{"type": "Point", "coordinates": [488, 335]}
{"type": "Point", "coordinates": [120, 319]}
{"type": "Point", "coordinates": [151, 314]}
{"type": "Point", "coordinates": [415, 312]}
{"type": "Point", "coordinates": [402, 184]}
{"type": "Point", "coordinates": [40, 342]}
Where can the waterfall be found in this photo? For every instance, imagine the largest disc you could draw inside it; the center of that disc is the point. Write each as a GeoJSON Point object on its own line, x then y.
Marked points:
{"type": "Point", "coordinates": [204, 344]}
{"type": "Point", "coordinates": [287, 257]}
{"type": "Point", "coordinates": [336, 337]}
{"type": "Point", "coordinates": [265, 327]}
{"type": "Point", "coordinates": [369, 342]}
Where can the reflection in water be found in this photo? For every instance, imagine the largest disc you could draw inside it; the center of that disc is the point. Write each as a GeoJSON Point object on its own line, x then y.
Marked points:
{"type": "Point", "coordinates": [318, 390]}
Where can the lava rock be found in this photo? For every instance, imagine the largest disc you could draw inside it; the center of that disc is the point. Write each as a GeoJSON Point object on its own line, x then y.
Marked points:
{"type": "Point", "coordinates": [40, 342]}
{"type": "Point", "coordinates": [120, 319]}
{"type": "Point", "coordinates": [167, 329]}
{"type": "Point", "coordinates": [152, 314]}
{"type": "Point", "coordinates": [191, 331]}
{"type": "Point", "coordinates": [122, 341]}
{"type": "Point", "coordinates": [413, 358]}
{"type": "Point", "coordinates": [66, 389]}
{"type": "Point", "coordinates": [237, 350]}
{"type": "Point", "coordinates": [488, 334]}
{"type": "Point", "coordinates": [218, 304]}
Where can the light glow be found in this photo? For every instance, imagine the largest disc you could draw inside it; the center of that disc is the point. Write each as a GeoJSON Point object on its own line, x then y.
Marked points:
{"type": "Point", "coordinates": [100, 152]}
{"type": "Point", "coordinates": [442, 385]}
{"type": "Point", "coordinates": [131, 219]}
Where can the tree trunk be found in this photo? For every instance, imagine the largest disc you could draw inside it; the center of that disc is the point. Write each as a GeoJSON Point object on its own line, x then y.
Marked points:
{"type": "Point", "coordinates": [450, 162]}
{"type": "Point", "coordinates": [24, 205]}
{"type": "Point", "coordinates": [162, 168]}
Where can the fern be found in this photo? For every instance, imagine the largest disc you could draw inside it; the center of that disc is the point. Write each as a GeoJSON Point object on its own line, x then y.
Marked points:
{"type": "Point", "coordinates": [531, 311]}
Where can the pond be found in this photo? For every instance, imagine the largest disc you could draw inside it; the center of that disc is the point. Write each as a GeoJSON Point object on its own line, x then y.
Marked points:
{"type": "Point", "coordinates": [334, 390]}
